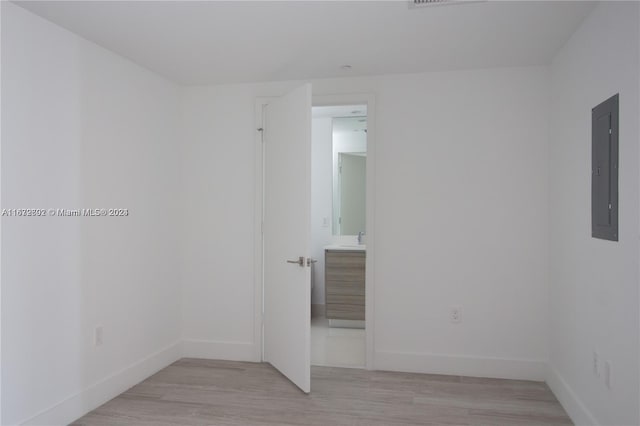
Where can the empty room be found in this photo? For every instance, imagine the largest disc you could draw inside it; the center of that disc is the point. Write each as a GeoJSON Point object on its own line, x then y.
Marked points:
{"type": "Point", "coordinates": [372, 213]}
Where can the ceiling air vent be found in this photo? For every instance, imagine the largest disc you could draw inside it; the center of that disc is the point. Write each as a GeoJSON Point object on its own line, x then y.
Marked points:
{"type": "Point", "coordinates": [425, 3]}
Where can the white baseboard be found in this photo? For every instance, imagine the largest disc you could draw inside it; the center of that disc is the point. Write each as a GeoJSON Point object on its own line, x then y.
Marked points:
{"type": "Point", "coordinates": [93, 396]}
{"type": "Point", "coordinates": [500, 368]}
{"type": "Point", "coordinates": [207, 349]}
{"type": "Point", "coordinates": [574, 407]}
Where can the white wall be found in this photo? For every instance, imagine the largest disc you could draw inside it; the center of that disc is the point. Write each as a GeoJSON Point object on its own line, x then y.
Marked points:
{"type": "Point", "coordinates": [594, 283]}
{"type": "Point", "coordinates": [83, 128]}
{"type": "Point", "coordinates": [321, 204]}
{"type": "Point", "coordinates": [461, 218]}
{"type": "Point", "coordinates": [218, 188]}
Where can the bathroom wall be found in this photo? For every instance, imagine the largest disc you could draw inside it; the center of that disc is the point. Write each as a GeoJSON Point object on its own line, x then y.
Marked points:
{"type": "Point", "coordinates": [321, 201]}
{"type": "Point", "coordinates": [461, 218]}
{"type": "Point", "coordinates": [594, 283]}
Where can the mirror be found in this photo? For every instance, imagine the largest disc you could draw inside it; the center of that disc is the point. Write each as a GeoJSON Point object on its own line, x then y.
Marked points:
{"type": "Point", "coordinates": [349, 141]}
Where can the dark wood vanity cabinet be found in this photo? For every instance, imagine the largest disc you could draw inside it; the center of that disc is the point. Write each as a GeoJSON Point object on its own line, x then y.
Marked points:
{"type": "Point", "coordinates": [344, 284]}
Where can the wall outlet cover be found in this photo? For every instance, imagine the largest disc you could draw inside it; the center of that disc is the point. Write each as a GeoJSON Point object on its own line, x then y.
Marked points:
{"type": "Point", "coordinates": [455, 314]}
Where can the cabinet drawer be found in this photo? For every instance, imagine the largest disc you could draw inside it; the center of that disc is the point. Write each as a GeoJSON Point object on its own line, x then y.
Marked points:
{"type": "Point", "coordinates": [344, 266]}
{"type": "Point", "coordinates": [344, 274]}
{"type": "Point", "coordinates": [349, 259]}
{"type": "Point", "coordinates": [345, 287]}
{"type": "Point", "coordinates": [345, 299]}
{"type": "Point", "coordinates": [343, 311]}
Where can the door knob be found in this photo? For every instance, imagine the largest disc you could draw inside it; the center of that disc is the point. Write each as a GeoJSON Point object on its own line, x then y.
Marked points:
{"type": "Point", "coordinates": [310, 261]}
{"type": "Point", "coordinates": [300, 261]}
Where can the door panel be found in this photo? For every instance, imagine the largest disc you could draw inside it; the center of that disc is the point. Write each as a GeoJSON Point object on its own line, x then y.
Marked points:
{"type": "Point", "coordinates": [601, 176]}
{"type": "Point", "coordinates": [287, 235]}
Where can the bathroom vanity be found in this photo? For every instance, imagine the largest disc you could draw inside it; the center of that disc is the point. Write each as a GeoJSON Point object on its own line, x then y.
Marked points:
{"type": "Point", "coordinates": [345, 285]}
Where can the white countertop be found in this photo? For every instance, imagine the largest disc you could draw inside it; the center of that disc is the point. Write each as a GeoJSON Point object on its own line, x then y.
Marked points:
{"type": "Point", "coordinates": [346, 247]}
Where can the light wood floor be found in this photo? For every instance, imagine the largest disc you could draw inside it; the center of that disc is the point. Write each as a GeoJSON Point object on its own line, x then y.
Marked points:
{"type": "Point", "coordinates": [204, 392]}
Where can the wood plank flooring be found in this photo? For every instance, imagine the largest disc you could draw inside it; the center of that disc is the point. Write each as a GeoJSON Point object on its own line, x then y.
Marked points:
{"type": "Point", "coordinates": [205, 392]}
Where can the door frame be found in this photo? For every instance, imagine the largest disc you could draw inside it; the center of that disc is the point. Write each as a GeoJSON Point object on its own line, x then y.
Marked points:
{"type": "Point", "coordinates": [317, 100]}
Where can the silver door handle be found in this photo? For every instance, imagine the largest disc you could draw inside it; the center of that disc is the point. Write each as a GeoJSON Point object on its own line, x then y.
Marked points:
{"type": "Point", "coordinates": [300, 261]}
{"type": "Point", "coordinates": [310, 261]}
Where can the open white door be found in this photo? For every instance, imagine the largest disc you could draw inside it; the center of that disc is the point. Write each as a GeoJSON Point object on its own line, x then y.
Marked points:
{"type": "Point", "coordinates": [287, 235]}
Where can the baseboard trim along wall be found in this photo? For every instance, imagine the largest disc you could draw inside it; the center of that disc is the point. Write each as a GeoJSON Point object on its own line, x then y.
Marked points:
{"type": "Point", "coordinates": [574, 407]}
{"type": "Point", "coordinates": [208, 349]}
{"type": "Point", "coordinates": [93, 396]}
{"type": "Point", "coordinates": [499, 368]}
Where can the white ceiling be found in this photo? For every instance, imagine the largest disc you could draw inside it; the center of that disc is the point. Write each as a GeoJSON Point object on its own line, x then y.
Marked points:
{"type": "Point", "coordinates": [208, 42]}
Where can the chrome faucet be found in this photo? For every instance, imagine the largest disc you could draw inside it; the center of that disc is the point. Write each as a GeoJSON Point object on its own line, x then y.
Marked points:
{"type": "Point", "coordinates": [360, 235]}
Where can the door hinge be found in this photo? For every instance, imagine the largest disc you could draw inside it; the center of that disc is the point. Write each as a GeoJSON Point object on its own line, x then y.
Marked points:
{"type": "Point", "coordinates": [609, 131]}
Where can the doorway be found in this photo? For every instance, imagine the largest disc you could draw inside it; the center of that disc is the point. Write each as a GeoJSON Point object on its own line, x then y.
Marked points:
{"type": "Point", "coordinates": [261, 193]}
{"type": "Point", "coordinates": [338, 235]}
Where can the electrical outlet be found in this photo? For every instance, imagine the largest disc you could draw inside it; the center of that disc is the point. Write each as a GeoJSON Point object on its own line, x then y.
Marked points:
{"type": "Point", "coordinates": [607, 373]}
{"type": "Point", "coordinates": [97, 337]}
{"type": "Point", "coordinates": [455, 314]}
{"type": "Point", "coordinates": [596, 364]}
